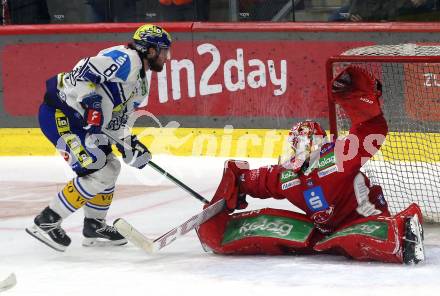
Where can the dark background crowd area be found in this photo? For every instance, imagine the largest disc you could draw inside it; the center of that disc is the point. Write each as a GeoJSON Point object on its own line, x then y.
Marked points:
{"type": "Point", "coordinates": [98, 11]}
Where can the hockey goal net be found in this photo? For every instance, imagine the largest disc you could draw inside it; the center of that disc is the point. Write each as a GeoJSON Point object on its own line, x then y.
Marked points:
{"type": "Point", "coordinates": [408, 164]}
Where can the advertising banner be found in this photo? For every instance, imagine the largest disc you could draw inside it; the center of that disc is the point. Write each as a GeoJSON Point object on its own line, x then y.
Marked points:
{"type": "Point", "coordinates": [270, 78]}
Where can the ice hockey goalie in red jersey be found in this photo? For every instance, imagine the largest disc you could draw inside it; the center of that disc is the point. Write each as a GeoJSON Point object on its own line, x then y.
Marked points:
{"type": "Point", "coordinates": [344, 213]}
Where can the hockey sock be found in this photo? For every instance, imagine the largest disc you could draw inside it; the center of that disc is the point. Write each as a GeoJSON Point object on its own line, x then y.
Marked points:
{"type": "Point", "coordinates": [70, 198]}
{"type": "Point", "coordinates": [98, 206]}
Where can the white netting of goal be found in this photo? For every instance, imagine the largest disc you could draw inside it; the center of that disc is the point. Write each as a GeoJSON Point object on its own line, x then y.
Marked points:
{"type": "Point", "coordinates": [408, 165]}
{"type": "Point", "coordinates": [407, 49]}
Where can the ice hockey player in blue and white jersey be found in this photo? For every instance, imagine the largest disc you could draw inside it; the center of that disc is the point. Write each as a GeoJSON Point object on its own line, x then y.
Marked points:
{"type": "Point", "coordinates": [100, 92]}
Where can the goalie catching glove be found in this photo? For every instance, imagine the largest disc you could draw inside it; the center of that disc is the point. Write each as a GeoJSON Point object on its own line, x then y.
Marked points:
{"type": "Point", "coordinates": [358, 92]}
{"type": "Point", "coordinates": [138, 156]}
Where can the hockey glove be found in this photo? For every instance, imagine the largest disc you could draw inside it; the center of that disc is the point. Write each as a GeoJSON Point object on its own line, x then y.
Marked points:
{"type": "Point", "coordinates": [229, 187]}
{"type": "Point", "coordinates": [358, 92]}
{"type": "Point", "coordinates": [138, 156]}
{"type": "Point", "coordinates": [93, 113]}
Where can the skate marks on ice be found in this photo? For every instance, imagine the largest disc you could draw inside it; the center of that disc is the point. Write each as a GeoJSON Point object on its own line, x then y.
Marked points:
{"type": "Point", "coordinates": [26, 198]}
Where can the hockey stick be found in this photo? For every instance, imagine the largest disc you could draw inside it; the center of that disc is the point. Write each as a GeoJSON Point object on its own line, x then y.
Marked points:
{"type": "Point", "coordinates": [159, 169]}
{"type": "Point", "coordinates": [8, 283]}
{"type": "Point", "coordinates": [150, 245]}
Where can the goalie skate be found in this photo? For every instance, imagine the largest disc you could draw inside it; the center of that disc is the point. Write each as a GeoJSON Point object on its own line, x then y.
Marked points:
{"type": "Point", "coordinates": [413, 249]}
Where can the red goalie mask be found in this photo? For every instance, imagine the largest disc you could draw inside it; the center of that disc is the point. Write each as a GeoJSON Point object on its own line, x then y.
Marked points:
{"type": "Point", "coordinates": [304, 138]}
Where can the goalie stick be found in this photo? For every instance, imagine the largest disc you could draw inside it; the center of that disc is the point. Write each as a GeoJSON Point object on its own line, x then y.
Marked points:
{"type": "Point", "coordinates": [151, 246]}
{"type": "Point", "coordinates": [8, 283]}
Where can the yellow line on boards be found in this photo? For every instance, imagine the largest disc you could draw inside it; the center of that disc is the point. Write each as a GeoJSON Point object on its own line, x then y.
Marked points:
{"type": "Point", "coordinates": [223, 142]}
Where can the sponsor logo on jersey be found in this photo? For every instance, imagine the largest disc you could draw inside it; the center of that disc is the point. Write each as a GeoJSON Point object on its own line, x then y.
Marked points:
{"type": "Point", "coordinates": [366, 100]}
{"type": "Point", "coordinates": [381, 199]}
{"type": "Point", "coordinates": [328, 171]}
{"type": "Point", "coordinates": [323, 216]}
{"type": "Point", "coordinates": [309, 182]}
{"type": "Point", "coordinates": [144, 89]}
{"type": "Point", "coordinates": [327, 165]}
{"type": "Point", "coordinates": [94, 117]}
{"type": "Point", "coordinates": [62, 95]}
{"type": "Point", "coordinates": [118, 121]}
{"type": "Point", "coordinates": [62, 122]}
{"type": "Point", "coordinates": [326, 148]}
{"type": "Point", "coordinates": [77, 149]}
{"type": "Point", "coordinates": [327, 161]}
{"type": "Point", "coordinates": [287, 176]}
{"type": "Point", "coordinates": [315, 199]}
{"type": "Point", "coordinates": [290, 184]}
{"type": "Point", "coordinates": [73, 142]}
{"type": "Point", "coordinates": [84, 159]}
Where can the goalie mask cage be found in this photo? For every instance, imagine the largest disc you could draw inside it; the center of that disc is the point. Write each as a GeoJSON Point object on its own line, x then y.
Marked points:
{"type": "Point", "coordinates": [408, 164]}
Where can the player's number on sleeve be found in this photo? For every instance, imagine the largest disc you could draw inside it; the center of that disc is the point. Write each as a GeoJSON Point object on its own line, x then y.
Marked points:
{"type": "Point", "coordinates": [110, 70]}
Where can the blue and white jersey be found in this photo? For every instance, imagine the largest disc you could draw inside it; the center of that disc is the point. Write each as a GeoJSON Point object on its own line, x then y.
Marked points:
{"type": "Point", "coordinates": [114, 73]}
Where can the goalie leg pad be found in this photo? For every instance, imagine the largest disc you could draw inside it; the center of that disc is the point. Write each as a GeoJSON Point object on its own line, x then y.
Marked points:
{"type": "Point", "coordinates": [397, 239]}
{"type": "Point", "coordinates": [266, 231]}
{"type": "Point", "coordinates": [367, 239]}
{"type": "Point", "coordinates": [211, 232]}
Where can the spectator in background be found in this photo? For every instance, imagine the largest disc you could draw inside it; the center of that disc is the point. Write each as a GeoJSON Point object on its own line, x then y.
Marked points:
{"type": "Point", "coordinates": [261, 10]}
{"type": "Point", "coordinates": [341, 14]}
{"type": "Point", "coordinates": [184, 10]}
{"type": "Point", "coordinates": [26, 11]}
{"type": "Point", "coordinates": [383, 10]}
{"type": "Point", "coordinates": [113, 10]}
{"type": "Point", "coordinates": [5, 17]}
{"type": "Point", "coordinates": [419, 10]}
{"type": "Point", "coordinates": [371, 10]}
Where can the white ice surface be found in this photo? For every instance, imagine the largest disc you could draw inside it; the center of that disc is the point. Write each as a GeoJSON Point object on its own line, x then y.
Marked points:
{"type": "Point", "coordinates": [181, 268]}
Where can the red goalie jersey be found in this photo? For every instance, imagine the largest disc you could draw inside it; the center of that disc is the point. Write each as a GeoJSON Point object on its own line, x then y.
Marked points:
{"type": "Point", "coordinates": [323, 179]}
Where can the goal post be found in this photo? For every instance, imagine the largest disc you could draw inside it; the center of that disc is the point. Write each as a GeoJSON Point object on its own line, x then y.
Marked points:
{"type": "Point", "coordinates": [408, 164]}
